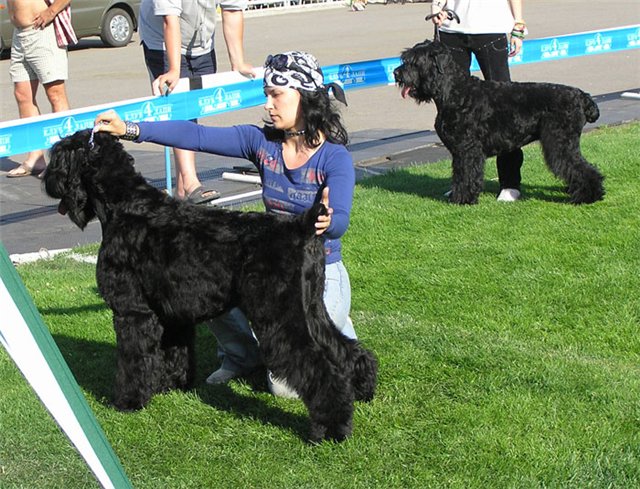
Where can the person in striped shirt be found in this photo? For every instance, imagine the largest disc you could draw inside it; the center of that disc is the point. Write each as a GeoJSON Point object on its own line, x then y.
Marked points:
{"type": "Point", "coordinates": [42, 31]}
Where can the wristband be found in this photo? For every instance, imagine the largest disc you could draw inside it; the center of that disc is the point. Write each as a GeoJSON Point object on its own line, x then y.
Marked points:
{"type": "Point", "coordinates": [131, 132]}
{"type": "Point", "coordinates": [519, 30]}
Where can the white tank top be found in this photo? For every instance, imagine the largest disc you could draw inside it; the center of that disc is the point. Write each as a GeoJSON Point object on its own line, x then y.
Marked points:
{"type": "Point", "coordinates": [480, 17]}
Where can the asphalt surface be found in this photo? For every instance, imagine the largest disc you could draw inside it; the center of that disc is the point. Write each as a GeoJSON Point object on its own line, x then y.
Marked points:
{"type": "Point", "coordinates": [386, 132]}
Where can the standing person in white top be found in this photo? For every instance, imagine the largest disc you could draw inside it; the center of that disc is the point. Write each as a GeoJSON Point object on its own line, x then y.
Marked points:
{"type": "Point", "coordinates": [493, 30]}
{"type": "Point", "coordinates": [178, 41]}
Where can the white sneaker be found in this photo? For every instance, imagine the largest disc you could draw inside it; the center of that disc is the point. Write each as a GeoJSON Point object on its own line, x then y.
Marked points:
{"type": "Point", "coordinates": [222, 376]}
{"type": "Point", "coordinates": [508, 195]}
{"type": "Point", "coordinates": [279, 387]}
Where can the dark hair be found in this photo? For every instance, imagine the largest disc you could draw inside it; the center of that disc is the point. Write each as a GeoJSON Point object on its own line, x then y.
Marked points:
{"type": "Point", "coordinates": [320, 116]}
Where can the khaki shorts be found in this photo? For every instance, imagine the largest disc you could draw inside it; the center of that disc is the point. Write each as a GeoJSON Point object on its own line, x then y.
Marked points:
{"type": "Point", "coordinates": [35, 55]}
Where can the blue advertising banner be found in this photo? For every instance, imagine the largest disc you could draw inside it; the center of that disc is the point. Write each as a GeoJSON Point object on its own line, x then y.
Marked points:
{"type": "Point", "coordinates": [225, 92]}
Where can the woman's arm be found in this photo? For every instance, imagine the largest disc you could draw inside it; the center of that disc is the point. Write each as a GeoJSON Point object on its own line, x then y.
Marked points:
{"type": "Point", "coordinates": [519, 29]}
{"type": "Point", "coordinates": [237, 141]}
{"type": "Point", "coordinates": [340, 179]}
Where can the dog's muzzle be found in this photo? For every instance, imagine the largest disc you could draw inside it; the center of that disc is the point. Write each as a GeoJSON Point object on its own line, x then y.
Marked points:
{"type": "Point", "coordinates": [404, 88]}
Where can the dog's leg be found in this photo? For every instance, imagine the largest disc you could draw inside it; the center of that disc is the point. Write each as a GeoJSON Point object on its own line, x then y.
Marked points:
{"type": "Point", "coordinates": [468, 173]}
{"type": "Point", "coordinates": [140, 359]}
{"type": "Point", "coordinates": [326, 390]}
{"type": "Point", "coordinates": [329, 398]}
{"type": "Point", "coordinates": [561, 149]}
{"type": "Point", "coordinates": [179, 357]}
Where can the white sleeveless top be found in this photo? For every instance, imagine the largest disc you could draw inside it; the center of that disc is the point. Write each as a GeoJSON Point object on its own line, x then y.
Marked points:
{"type": "Point", "coordinates": [480, 17]}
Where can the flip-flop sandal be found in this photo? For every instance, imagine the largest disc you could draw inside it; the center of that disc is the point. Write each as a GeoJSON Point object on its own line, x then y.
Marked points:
{"type": "Point", "coordinates": [201, 195]}
{"type": "Point", "coordinates": [23, 171]}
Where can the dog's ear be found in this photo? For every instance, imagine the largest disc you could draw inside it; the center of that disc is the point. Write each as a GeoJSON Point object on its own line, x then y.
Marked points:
{"type": "Point", "coordinates": [440, 62]}
{"type": "Point", "coordinates": [64, 177]}
{"type": "Point", "coordinates": [440, 56]}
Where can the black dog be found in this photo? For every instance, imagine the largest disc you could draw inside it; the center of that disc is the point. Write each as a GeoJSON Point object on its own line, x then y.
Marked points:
{"type": "Point", "coordinates": [165, 266]}
{"type": "Point", "coordinates": [478, 119]}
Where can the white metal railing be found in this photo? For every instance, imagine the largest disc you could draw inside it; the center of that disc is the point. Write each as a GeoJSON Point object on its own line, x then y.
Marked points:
{"type": "Point", "coordinates": [264, 4]}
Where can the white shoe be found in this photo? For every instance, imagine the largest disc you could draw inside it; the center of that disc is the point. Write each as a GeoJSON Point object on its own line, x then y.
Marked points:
{"type": "Point", "coordinates": [279, 387]}
{"type": "Point", "coordinates": [447, 194]}
{"type": "Point", "coordinates": [222, 376]}
{"type": "Point", "coordinates": [509, 195]}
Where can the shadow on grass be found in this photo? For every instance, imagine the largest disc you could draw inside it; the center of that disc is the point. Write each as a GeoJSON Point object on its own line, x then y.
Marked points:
{"type": "Point", "coordinates": [428, 186]}
{"type": "Point", "coordinates": [69, 311]}
{"type": "Point", "coordinates": [93, 363]}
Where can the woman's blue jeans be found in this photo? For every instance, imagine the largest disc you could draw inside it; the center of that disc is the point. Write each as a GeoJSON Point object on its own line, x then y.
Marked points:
{"type": "Point", "coordinates": [238, 347]}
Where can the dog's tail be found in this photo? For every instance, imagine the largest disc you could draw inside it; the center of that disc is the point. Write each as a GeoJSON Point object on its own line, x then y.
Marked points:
{"type": "Point", "coordinates": [365, 374]}
{"type": "Point", "coordinates": [311, 215]}
{"type": "Point", "coordinates": [590, 108]}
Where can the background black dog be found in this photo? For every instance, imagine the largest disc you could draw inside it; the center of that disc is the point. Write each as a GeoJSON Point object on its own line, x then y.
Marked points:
{"type": "Point", "coordinates": [478, 119]}
{"type": "Point", "coordinates": [165, 266]}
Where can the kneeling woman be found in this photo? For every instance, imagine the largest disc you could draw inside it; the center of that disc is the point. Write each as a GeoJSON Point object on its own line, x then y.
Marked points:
{"type": "Point", "coordinates": [300, 150]}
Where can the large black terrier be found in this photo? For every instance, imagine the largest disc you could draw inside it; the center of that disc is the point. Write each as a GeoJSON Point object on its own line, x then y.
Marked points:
{"type": "Point", "coordinates": [165, 266]}
{"type": "Point", "coordinates": [478, 119]}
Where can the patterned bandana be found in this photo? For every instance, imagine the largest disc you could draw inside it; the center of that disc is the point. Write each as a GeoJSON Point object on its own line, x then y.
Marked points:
{"type": "Point", "coordinates": [299, 70]}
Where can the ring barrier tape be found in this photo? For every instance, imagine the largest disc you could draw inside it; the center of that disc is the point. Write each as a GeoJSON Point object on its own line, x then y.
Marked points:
{"type": "Point", "coordinates": [231, 91]}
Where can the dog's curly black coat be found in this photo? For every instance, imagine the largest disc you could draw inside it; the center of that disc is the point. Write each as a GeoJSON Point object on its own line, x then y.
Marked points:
{"type": "Point", "coordinates": [165, 266]}
{"type": "Point", "coordinates": [477, 119]}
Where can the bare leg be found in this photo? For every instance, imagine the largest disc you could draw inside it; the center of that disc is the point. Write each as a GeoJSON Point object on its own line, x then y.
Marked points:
{"type": "Point", "coordinates": [25, 94]}
{"type": "Point", "coordinates": [187, 178]}
{"type": "Point", "coordinates": [57, 95]}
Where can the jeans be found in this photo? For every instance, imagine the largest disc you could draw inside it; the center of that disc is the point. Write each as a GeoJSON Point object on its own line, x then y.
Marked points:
{"type": "Point", "coordinates": [492, 53]}
{"type": "Point", "coordinates": [237, 345]}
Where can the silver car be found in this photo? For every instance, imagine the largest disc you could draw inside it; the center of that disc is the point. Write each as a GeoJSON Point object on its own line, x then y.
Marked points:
{"type": "Point", "coordinates": [114, 21]}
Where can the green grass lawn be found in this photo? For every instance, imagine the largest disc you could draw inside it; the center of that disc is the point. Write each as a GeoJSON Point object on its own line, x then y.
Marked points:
{"type": "Point", "coordinates": [507, 336]}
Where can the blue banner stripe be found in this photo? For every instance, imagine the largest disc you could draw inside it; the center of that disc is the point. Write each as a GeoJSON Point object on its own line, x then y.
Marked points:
{"type": "Point", "coordinates": [24, 135]}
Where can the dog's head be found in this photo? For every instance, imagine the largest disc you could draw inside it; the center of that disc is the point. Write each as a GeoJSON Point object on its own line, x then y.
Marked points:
{"type": "Point", "coordinates": [74, 170]}
{"type": "Point", "coordinates": [426, 71]}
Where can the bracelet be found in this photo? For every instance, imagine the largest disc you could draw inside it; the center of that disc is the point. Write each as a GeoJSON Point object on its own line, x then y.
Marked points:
{"type": "Point", "coordinates": [519, 34]}
{"type": "Point", "coordinates": [519, 30]}
{"type": "Point", "coordinates": [131, 132]}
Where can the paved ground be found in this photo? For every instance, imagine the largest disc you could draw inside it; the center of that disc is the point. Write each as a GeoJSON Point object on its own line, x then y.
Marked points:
{"type": "Point", "coordinates": [385, 130]}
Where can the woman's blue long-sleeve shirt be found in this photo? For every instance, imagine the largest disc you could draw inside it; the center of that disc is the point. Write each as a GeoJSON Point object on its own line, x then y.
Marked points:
{"type": "Point", "coordinates": [283, 190]}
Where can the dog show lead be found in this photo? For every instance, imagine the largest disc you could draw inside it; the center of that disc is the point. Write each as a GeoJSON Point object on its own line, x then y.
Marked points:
{"type": "Point", "coordinates": [300, 152]}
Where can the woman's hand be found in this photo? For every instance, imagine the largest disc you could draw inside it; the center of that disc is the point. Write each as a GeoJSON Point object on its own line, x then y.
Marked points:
{"type": "Point", "coordinates": [439, 15]}
{"type": "Point", "coordinates": [515, 47]}
{"type": "Point", "coordinates": [323, 222]}
{"type": "Point", "coordinates": [110, 122]}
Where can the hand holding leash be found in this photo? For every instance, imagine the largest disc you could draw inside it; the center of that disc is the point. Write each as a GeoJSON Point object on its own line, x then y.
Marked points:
{"type": "Point", "coordinates": [439, 12]}
{"type": "Point", "coordinates": [110, 122]}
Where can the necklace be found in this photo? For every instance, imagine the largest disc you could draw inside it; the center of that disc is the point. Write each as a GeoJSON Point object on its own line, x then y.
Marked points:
{"type": "Point", "coordinates": [293, 133]}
